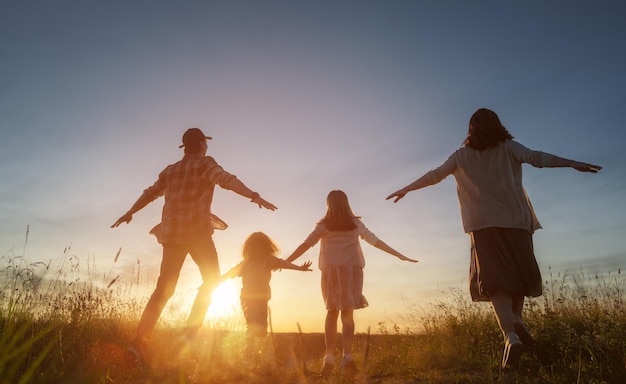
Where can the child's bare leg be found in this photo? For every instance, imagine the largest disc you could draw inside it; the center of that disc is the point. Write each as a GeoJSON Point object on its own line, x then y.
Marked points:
{"type": "Point", "coordinates": [330, 328]}
{"type": "Point", "coordinates": [347, 331]}
{"type": "Point", "coordinates": [249, 351]}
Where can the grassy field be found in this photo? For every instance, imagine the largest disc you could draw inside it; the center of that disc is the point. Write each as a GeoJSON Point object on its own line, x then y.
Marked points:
{"type": "Point", "coordinates": [68, 329]}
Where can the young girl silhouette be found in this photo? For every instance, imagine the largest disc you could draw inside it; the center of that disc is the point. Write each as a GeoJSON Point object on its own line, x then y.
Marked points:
{"type": "Point", "coordinates": [341, 262]}
{"type": "Point", "coordinates": [259, 260]}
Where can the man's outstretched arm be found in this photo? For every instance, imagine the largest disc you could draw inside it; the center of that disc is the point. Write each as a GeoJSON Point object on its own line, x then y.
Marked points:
{"type": "Point", "coordinates": [141, 202]}
{"type": "Point", "coordinates": [240, 188]}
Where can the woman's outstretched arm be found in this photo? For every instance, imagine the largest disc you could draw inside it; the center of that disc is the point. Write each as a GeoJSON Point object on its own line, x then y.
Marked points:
{"type": "Point", "coordinates": [422, 182]}
{"type": "Point", "coordinates": [298, 252]}
{"type": "Point", "coordinates": [559, 162]}
{"type": "Point", "coordinates": [385, 247]}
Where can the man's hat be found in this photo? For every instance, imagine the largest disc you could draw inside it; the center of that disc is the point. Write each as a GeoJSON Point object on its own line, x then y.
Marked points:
{"type": "Point", "coordinates": [192, 137]}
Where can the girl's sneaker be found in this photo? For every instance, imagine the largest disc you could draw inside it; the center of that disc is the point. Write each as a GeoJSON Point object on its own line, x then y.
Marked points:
{"type": "Point", "coordinates": [327, 365]}
{"type": "Point", "coordinates": [348, 365]}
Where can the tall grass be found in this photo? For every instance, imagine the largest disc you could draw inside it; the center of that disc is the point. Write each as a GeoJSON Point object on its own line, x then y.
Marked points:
{"type": "Point", "coordinates": [62, 325]}
{"type": "Point", "coordinates": [24, 341]}
{"type": "Point", "coordinates": [579, 325]}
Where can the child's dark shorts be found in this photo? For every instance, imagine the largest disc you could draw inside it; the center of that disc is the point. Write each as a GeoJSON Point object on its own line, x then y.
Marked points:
{"type": "Point", "coordinates": [255, 313]}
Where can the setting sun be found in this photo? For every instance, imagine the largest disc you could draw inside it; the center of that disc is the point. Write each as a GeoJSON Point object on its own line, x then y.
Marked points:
{"type": "Point", "coordinates": [225, 302]}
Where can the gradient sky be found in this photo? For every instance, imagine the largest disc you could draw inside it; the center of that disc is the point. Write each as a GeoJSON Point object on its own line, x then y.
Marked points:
{"type": "Point", "coordinates": [302, 98]}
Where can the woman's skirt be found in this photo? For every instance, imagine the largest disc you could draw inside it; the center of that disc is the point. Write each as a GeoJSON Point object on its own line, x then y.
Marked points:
{"type": "Point", "coordinates": [503, 261]}
{"type": "Point", "coordinates": [342, 288]}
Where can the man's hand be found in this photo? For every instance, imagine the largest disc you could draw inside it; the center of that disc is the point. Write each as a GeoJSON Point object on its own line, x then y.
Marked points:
{"type": "Point", "coordinates": [126, 218]}
{"type": "Point", "coordinates": [263, 204]}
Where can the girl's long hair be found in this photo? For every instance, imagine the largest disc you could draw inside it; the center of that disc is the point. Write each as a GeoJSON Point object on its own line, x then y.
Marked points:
{"type": "Point", "coordinates": [485, 130]}
{"type": "Point", "coordinates": [259, 244]}
{"type": "Point", "coordinates": [339, 215]}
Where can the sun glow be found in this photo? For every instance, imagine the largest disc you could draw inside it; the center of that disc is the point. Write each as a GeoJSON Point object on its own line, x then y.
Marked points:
{"type": "Point", "coordinates": [224, 302]}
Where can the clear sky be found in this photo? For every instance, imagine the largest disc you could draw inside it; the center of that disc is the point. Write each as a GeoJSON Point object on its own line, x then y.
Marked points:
{"type": "Point", "coordinates": [302, 97]}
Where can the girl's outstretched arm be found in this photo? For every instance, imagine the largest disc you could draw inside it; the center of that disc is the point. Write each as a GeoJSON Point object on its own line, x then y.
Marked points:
{"type": "Point", "coordinates": [384, 247]}
{"type": "Point", "coordinates": [306, 266]}
{"type": "Point", "coordinates": [232, 273]}
{"type": "Point", "coordinates": [298, 252]}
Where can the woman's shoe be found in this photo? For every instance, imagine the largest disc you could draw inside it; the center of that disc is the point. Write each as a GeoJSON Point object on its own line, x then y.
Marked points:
{"type": "Point", "coordinates": [513, 349]}
{"type": "Point", "coordinates": [524, 335]}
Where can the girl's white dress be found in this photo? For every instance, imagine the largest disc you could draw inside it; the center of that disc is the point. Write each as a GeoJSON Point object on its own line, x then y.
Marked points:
{"type": "Point", "coordinates": [341, 262]}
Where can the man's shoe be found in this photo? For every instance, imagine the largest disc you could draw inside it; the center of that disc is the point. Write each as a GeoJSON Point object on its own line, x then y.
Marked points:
{"type": "Point", "coordinates": [138, 352]}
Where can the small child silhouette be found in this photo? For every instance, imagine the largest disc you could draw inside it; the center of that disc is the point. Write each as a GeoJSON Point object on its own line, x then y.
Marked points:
{"type": "Point", "coordinates": [259, 260]}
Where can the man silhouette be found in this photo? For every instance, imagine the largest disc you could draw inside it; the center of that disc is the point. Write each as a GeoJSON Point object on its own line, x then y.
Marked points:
{"type": "Point", "coordinates": [186, 228]}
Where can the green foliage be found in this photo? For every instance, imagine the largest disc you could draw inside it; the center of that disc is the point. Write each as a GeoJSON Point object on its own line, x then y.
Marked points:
{"type": "Point", "coordinates": [24, 342]}
{"type": "Point", "coordinates": [74, 328]}
{"type": "Point", "coordinates": [580, 327]}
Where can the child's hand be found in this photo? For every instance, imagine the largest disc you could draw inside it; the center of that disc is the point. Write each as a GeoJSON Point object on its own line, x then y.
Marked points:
{"type": "Point", "coordinates": [306, 266]}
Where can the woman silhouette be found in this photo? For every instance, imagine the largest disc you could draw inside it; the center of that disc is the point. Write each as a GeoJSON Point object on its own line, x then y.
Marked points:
{"type": "Point", "coordinates": [500, 220]}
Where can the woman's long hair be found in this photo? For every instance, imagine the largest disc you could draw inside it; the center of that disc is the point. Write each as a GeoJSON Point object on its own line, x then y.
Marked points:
{"type": "Point", "coordinates": [485, 130]}
{"type": "Point", "coordinates": [259, 244]}
{"type": "Point", "coordinates": [339, 215]}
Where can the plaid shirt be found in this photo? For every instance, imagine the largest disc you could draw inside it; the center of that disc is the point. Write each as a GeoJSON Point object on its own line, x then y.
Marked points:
{"type": "Point", "coordinates": [188, 187]}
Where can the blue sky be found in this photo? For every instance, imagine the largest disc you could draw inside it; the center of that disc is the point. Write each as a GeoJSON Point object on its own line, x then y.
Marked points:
{"type": "Point", "coordinates": [302, 98]}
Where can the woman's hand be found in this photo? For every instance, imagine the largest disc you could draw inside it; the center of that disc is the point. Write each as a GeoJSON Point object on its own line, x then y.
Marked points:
{"type": "Point", "coordinates": [585, 167]}
{"type": "Point", "coordinates": [306, 266]}
{"type": "Point", "coordinates": [397, 194]}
